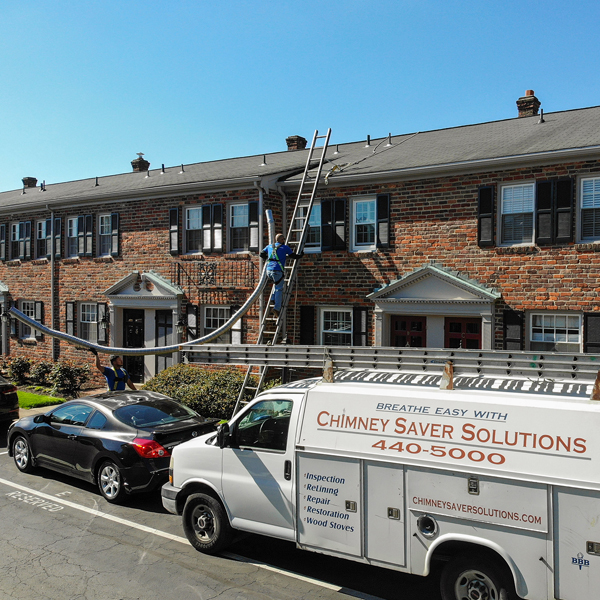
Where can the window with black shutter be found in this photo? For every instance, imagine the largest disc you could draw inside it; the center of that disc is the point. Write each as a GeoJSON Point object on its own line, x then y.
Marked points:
{"type": "Point", "coordinates": [84, 235]}
{"type": "Point", "coordinates": [513, 327]}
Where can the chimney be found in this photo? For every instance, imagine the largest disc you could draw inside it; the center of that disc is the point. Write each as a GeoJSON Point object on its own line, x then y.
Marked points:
{"type": "Point", "coordinates": [29, 182]}
{"type": "Point", "coordinates": [139, 164]}
{"type": "Point", "coordinates": [295, 142]}
{"type": "Point", "coordinates": [528, 105]}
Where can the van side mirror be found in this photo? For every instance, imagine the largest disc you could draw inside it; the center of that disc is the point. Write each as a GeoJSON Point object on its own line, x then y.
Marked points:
{"type": "Point", "coordinates": [223, 435]}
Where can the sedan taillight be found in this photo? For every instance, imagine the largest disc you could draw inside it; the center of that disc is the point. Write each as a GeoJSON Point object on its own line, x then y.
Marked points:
{"type": "Point", "coordinates": [149, 448]}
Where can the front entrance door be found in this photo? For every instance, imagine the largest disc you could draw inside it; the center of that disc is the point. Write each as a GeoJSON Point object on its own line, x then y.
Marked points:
{"type": "Point", "coordinates": [462, 333]}
{"type": "Point", "coordinates": [133, 337]}
{"type": "Point", "coordinates": [164, 333]}
{"type": "Point", "coordinates": [409, 331]}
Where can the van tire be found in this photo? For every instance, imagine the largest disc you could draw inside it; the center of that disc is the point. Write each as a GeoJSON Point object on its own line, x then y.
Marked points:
{"type": "Point", "coordinates": [468, 575]}
{"type": "Point", "coordinates": [205, 524]}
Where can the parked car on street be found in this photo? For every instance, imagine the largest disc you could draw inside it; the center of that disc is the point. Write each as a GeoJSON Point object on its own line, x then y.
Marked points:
{"type": "Point", "coordinates": [121, 441]}
{"type": "Point", "coordinates": [9, 401]}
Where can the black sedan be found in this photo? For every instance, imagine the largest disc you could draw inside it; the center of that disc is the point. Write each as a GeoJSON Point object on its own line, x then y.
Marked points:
{"type": "Point", "coordinates": [9, 401]}
{"type": "Point", "coordinates": [121, 441]}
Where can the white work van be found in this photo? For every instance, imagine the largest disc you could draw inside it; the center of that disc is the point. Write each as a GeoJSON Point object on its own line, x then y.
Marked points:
{"type": "Point", "coordinates": [499, 477]}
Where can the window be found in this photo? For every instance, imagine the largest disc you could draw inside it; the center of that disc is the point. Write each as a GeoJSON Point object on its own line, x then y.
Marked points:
{"type": "Point", "coordinates": [98, 421]}
{"type": "Point", "coordinates": [72, 414]}
{"type": "Point", "coordinates": [193, 230]}
{"type": "Point", "coordinates": [72, 237]}
{"type": "Point", "coordinates": [517, 205]}
{"type": "Point", "coordinates": [41, 236]}
{"type": "Point", "coordinates": [20, 240]}
{"type": "Point", "coordinates": [104, 235]}
{"type": "Point", "coordinates": [265, 425]}
{"type": "Point", "coordinates": [313, 235]}
{"type": "Point", "coordinates": [217, 316]}
{"type": "Point", "coordinates": [590, 209]}
{"type": "Point", "coordinates": [243, 227]}
{"type": "Point", "coordinates": [203, 229]}
{"type": "Point", "coordinates": [336, 327]}
{"type": "Point", "coordinates": [555, 332]}
{"type": "Point", "coordinates": [34, 310]}
{"type": "Point", "coordinates": [88, 324]}
{"type": "Point", "coordinates": [370, 222]}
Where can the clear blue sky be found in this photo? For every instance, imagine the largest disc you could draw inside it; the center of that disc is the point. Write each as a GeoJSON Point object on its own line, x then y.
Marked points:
{"type": "Point", "coordinates": [85, 85]}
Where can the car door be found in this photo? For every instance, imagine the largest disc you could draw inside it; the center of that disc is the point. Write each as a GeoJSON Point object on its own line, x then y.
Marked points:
{"type": "Point", "coordinates": [54, 441]}
{"type": "Point", "coordinates": [257, 478]}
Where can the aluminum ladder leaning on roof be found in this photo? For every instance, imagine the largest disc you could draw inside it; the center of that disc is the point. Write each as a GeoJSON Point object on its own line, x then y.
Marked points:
{"type": "Point", "coordinates": [272, 327]}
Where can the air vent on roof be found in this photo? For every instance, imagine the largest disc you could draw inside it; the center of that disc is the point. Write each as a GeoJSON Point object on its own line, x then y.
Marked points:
{"type": "Point", "coordinates": [29, 182]}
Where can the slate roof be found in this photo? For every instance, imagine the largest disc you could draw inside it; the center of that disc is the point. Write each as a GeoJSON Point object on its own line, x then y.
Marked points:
{"type": "Point", "coordinates": [573, 133]}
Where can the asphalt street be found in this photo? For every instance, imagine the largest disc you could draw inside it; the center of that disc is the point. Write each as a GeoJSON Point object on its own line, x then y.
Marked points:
{"type": "Point", "coordinates": [61, 540]}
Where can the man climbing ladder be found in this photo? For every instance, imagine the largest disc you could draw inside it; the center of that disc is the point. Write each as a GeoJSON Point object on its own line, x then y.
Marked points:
{"type": "Point", "coordinates": [276, 255]}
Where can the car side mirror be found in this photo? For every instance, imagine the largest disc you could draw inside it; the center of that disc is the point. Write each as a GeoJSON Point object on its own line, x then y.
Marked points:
{"type": "Point", "coordinates": [41, 419]}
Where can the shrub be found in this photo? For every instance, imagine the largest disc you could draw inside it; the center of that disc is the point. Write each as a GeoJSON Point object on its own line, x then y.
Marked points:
{"type": "Point", "coordinates": [18, 369]}
{"type": "Point", "coordinates": [40, 372]}
{"type": "Point", "coordinates": [211, 393]}
{"type": "Point", "coordinates": [67, 378]}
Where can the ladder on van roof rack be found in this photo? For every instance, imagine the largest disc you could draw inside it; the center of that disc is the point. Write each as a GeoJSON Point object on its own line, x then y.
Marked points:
{"type": "Point", "coordinates": [448, 365]}
{"type": "Point", "coordinates": [272, 327]}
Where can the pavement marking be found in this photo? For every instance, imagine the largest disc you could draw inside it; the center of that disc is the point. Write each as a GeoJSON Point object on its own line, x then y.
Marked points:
{"type": "Point", "coordinates": [182, 540]}
{"type": "Point", "coordinates": [2, 453]}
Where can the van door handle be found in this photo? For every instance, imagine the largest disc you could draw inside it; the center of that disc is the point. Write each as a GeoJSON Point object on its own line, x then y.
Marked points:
{"type": "Point", "coordinates": [287, 470]}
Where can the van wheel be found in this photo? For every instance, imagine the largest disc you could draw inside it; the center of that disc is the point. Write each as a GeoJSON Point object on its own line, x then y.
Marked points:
{"type": "Point", "coordinates": [472, 578]}
{"type": "Point", "coordinates": [205, 524]}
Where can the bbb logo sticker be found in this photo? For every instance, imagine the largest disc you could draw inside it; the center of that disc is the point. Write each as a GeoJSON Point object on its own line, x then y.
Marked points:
{"type": "Point", "coordinates": [580, 561]}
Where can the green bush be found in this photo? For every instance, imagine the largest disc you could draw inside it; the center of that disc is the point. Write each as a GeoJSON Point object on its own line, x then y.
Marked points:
{"type": "Point", "coordinates": [211, 393]}
{"type": "Point", "coordinates": [40, 372]}
{"type": "Point", "coordinates": [18, 369]}
{"type": "Point", "coordinates": [67, 378]}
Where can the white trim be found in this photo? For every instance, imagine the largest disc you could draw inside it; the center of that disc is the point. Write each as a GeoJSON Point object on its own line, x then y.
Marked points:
{"type": "Point", "coordinates": [320, 323]}
{"type": "Point", "coordinates": [354, 247]}
{"type": "Point", "coordinates": [500, 213]}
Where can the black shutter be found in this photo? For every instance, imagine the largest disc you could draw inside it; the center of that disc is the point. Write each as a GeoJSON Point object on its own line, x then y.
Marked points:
{"type": "Point", "coordinates": [307, 325]}
{"type": "Point", "coordinates": [326, 225]}
{"type": "Point", "coordinates": [3, 242]}
{"type": "Point", "coordinates": [114, 248]}
{"type": "Point", "coordinates": [71, 318]}
{"type": "Point", "coordinates": [359, 326]}
{"type": "Point", "coordinates": [89, 234]}
{"type": "Point", "coordinates": [253, 241]}
{"type": "Point", "coordinates": [21, 228]}
{"type": "Point", "coordinates": [339, 224]}
{"type": "Point", "coordinates": [101, 311]}
{"type": "Point", "coordinates": [236, 330]}
{"type": "Point", "coordinates": [48, 239]}
{"type": "Point", "coordinates": [39, 317]}
{"type": "Point", "coordinates": [564, 211]}
{"type": "Point", "coordinates": [485, 216]}
{"type": "Point", "coordinates": [57, 237]}
{"type": "Point", "coordinates": [217, 228]}
{"type": "Point", "coordinates": [383, 220]}
{"type": "Point", "coordinates": [513, 329]}
{"type": "Point", "coordinates": [544, 213]}
{"type": "Point", "coordinates": [80, 236]}
{"type": "Point", "coordinates": [591, 333]}
{"type": "Point", "coordinates": [174, 231]}
{"type": "Point", "coordinates": [206, 244]}
{"type": "Point", "coordinates": [191, 312]}
{"type": "Point", "coordinates": [28, 229]}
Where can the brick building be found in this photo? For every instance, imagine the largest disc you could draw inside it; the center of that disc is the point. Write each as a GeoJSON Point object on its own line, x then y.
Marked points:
{"type": "Point", "coordinates": [482, 236]}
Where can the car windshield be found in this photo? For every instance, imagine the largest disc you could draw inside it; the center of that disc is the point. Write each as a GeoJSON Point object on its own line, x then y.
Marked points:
{"type": "Point", "coordinates": [154, 412]}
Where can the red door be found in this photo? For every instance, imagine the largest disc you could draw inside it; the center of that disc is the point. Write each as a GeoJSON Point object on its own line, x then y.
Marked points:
{"type": "Point", "coordinates": [462, 333]}
{"type": "Point", "coordinates": [409, 331]}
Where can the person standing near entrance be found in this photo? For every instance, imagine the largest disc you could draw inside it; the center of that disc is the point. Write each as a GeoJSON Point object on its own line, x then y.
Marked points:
{"type": "Point", "coordinates": [116, 376]}
{"type": "Point", "coordinates": [276, 255]}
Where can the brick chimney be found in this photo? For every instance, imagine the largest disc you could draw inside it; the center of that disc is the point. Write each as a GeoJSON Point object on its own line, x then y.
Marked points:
{"type": "Point", "coordinates": [29, 182]}
{"type": "Point", "coordinates": [528, 105]}
{"type": "Point", "coordinates": [139, 164]}
{"type": "Point", "coordinates": [296, 142]}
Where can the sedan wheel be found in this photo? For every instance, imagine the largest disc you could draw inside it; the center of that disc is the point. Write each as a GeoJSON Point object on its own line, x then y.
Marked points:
{"type": "Point", "coordinates": [110, 482]}
{"type": "Point", "coordinates": [22, 454]}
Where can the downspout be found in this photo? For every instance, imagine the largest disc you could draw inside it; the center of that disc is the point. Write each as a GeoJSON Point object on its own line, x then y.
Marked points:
{"type": "Point", "coordinates": [52, 284]}
{"type": "Point", "coordinates": [261, 306]}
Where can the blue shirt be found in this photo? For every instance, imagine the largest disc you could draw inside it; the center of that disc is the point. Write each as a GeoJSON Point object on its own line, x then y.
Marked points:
{"type": "Point", "coordinates": [282, 252]}
{"type": "Point", "coordinates": [114, 374]}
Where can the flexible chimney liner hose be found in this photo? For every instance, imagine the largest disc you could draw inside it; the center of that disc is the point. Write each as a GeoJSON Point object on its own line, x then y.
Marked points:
{"type": "Point", "coordinates": [17, 314]}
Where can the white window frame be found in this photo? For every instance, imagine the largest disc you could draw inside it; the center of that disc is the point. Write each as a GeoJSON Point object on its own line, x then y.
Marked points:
{"type": "Point", "coordinates": [593, 203]}
{"type": "Point", "coordinates": [86, 309]}
{"type": "Point", "coordinates": [233, 336]}
{"type": "Point", "coordinates": [322, 322]}
{"type": "Point", "coordinates": [42, 227]}
{"type": "Point", "coordinates": [104, 235]}
{"type": "Point", "coordinates": [193, 216]}
{"type": "Point", "coordinates": [230, 227]}
{"type": "Point", "coordinates": [355, 244]}
{"type": "Point", "coordinates": [547, 332]}
{"type": "Point", "coordinates": [522, 201]}
{"type": "Point", "coordinates": [72, 233]}
{"type": "Point", "coordinates": [27, 307]}
{"type": "Point", "coordinates": [314, 235]}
